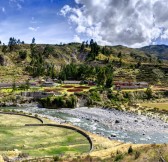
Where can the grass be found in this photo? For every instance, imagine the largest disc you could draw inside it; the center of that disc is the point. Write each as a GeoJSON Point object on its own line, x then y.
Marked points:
{"type": "Point", "coordinates": [8, 120]}
{"type": "Point", "coordinates": [38, 141]}
{"type": "Point", "coordinates": [42, 141]}
{"type": "Point", "coordinates": [160, 106]}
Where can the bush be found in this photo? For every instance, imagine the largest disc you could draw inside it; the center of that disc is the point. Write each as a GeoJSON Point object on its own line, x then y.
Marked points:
{"type": "Point", "coordinates": [23, 155]}
{"type": "Point", "coordinates": [59, 102]}
{"type": "Point", "coordinates": [95, 96]}
{"type": "Point", "coordinates": [137, 154]}
{"type": "Point", "coordinates": [22, 55]}
{"type": "Point", "coordinates": [56, 158]}
{"type": "Point", "coordinates": [119, 157]}
{"type": "Point", "coordinates": [130, 150]}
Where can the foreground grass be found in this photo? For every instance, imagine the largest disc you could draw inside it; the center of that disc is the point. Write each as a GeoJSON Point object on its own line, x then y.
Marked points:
{"type": "Point", "coordinates": [38, 141]}
{"type": "Point", "coordinates": [42, 141]}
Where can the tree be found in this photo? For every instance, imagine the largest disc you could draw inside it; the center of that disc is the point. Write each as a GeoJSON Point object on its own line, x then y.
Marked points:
{"type": "Point", "coordinates": [139, 64]}
{"type": "Point", "coordinates": [22, 54]}
{"type": "Point", "coordinates": [12, 43]}
{"type": "Point", "coordinates": [149, 93]}
{"type": "Point", "coordinates": [101, 77]}
{"type": "Point", "coordinates": [130, 150]}
{"type": "Point", "coordinates": [48, 50]}
{"type": "Point", "coordinates": [4, 48]}
{"type": "Point", "coordinates": [119, 55]}
{"type": "Point", "coordinates": [33, 40]}
{"type": "Point", "coordinates": [109, 82]}
{"type": "Point", "coordinates": [14, 86]}
{"type": "Point", "coordinates": [27, 84]}
{"type": "Point", "coordinates": [82, 47]}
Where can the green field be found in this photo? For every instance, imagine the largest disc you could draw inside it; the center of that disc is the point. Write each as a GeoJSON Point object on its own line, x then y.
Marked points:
{"type": "Point", "coordinates": [160, 106]}
{"type": "Point", "coordinates": [15, 120]}
{"type": "Point", "coordinates": [38, 141]}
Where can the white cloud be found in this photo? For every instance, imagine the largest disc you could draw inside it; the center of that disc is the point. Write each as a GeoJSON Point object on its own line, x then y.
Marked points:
{"type": "Point", "coordinates": [65, 10]}
{"type": "Point", "coordinates": [33, 28]}
{"type": "Point", "coordinates": [128, 22]}
{"type": "Point", "coordinates": [77, 39]}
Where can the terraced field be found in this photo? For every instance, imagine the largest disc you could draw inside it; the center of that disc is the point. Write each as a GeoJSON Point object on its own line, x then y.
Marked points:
{"type": "Point", "coordinates": [38, 141]}
{"type": "Point", "coordinates": [160, 106]}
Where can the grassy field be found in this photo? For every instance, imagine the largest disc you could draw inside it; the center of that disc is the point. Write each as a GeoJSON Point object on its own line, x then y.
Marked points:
{"type": "Point", "coordinates": [8, 120]}
{"type": "Point", "coordinates": [38, 141]}
{"type": "Point", "coordinates": [160, 106]}
{"type": "Point", "coordinates": [42, 141]}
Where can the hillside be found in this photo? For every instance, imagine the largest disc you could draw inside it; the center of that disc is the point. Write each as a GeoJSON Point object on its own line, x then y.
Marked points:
{"type": "Point", "coordinates": [21, 61]}
{"type": "Point", "coordinates": [160, 51]}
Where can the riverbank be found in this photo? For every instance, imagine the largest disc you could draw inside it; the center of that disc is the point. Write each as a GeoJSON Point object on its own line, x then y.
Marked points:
{"type": "Point", "coordinates": [113, 124]}
{"type": "Point", "coordinates": [145, 127]}
{"type": "Point", "coordinates": [88, 119]}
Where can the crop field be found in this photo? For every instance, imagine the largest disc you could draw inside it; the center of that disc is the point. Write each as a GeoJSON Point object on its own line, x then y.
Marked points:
{"type": "Point", "coordinates": [69, 89]}
{"type": "Point", "coordinates": [38, 141]}
{"type": "Point", "coordinates": [160, 106]}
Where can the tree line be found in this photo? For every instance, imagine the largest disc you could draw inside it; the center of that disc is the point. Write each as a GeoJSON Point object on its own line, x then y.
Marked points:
{"type": "Point", "coordinates": [101, 75]}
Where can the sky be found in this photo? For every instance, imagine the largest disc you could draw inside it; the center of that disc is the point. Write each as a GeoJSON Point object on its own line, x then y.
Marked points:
{"type": "Point", "coordinates": [133, 23]}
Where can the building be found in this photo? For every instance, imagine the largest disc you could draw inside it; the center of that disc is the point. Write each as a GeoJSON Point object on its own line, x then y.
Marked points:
{"type": "Point", "coordinates": [71, 82]}
{"type": "Point", "coordinates": [37, 95]}
{"type": "Point", "coordinates": [48, 84]}
{"type": "Point", "coordinates": [130, 85]}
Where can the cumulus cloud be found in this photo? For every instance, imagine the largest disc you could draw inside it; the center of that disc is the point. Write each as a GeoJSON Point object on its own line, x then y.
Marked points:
{"type": "Point", "coordinates": [128, 22]}
{"type": "Point", "coordinates": [77, 39]}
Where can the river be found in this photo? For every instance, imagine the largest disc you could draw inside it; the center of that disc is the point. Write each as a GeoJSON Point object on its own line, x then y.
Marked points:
{"type": "Point", "coordinates": [115, 125]}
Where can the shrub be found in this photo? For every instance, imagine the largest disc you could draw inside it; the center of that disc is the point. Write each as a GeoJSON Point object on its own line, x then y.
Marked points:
{"type": "Point", "coordinates": [119, 157]}
{"type": "Point", "coordinates": [23, 155]}
{"type": "Point", "coordinates": [137, 154]}
{"type": "Point", "coordinates": [130, 150]}
{"type": "Point", "coordinates": [56, 158]}
{"type": "Point", "coordinates": [22, 55]}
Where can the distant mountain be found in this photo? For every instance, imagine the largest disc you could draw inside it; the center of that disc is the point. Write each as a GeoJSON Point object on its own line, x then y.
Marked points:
{"type": "Point", "coordinates": [161, 51]}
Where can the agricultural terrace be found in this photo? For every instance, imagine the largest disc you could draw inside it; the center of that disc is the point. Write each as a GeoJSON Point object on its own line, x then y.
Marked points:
{"type": "Point", "coordinates": [160, 106]}
{"type": "Point", "coordinates": [69, 89]}
{"type": "Point", "coordinates": [37, 141]}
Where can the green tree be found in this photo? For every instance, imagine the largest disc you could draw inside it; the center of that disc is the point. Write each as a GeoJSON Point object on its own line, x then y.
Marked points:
{"type": "Point", "coordinates": [22, 54]}
{"type": "Point", "coordinates": [33, 40]}
{"type": "Point", "coordinates": [14, 86]}
{"type": "Point", "coordinates": [101, 77]}
{"type": "Point", "coordinates": [149, 93]}
{"type": "Point", "coordinates": [27, 84]}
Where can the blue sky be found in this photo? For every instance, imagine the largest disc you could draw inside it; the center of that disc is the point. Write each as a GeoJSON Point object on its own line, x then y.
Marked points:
{"type": "Point", "coordinates": [133, 23]}
{"type": "Point", "coordinates": [25, 19]}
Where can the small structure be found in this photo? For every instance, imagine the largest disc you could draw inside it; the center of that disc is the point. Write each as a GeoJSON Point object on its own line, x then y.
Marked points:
{"type": "Point", "coordinates": [37, 95]}
{"type": "Point", "coordinates": [48, 84]}
{"type": "Point", "coordinates": [71, 82]}
{"type": "Point", "coordinates": [130, 85]}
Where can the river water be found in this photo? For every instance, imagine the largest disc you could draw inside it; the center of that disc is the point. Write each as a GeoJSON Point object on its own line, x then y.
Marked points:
{"type": "Point", "coordinates": [98, 121]}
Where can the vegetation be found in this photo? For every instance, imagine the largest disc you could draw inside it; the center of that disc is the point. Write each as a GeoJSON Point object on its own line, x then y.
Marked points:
{"type": "Point", "coordinates": [37, 141]}
{"type": "Point", "coordinates": [59, 102]}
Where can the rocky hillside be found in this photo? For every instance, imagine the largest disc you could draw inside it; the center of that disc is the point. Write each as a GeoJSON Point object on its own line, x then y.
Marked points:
{"type": "Point", "coordinates": [20, 61]}
{"type": "Point", "coordinates": [160, 51]}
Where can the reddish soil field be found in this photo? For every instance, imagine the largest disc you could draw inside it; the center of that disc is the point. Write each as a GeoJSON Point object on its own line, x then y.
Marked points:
{"type": "Point", "coordinates": [75, 90]}
{"type": "Point", "coordinates": [68, 86]}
